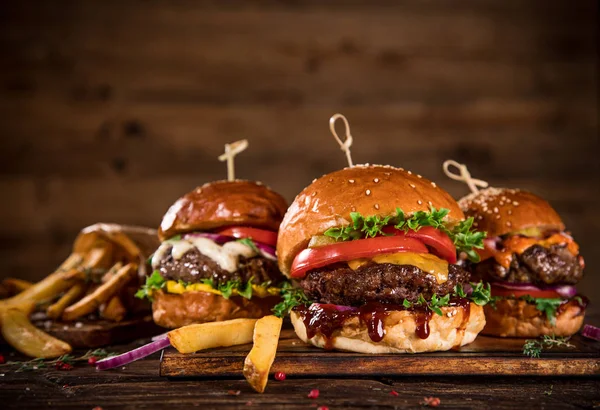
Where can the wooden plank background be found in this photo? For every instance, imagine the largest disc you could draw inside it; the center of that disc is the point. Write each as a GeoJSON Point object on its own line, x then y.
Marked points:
{"type": "Point", "coordinates": [112, 110]}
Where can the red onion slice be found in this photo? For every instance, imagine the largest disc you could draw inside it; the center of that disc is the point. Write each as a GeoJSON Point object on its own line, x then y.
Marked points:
{"type": "Point", "coordinates": [591, 332]}
{"type": "Point", "coordinates": [566, 291]}
{"type": "Point", "coordinates": [266, 250]}
{"type": "Point", "coordinates": [133, 355]}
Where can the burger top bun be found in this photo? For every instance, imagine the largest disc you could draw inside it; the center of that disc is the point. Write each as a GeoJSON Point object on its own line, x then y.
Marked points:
{"type": "Point", "coordinates": [224, 203]}
{"type": "Point", "coordinates": [367, 189]}
{"type": "Point", "coordinates": [499, 211]}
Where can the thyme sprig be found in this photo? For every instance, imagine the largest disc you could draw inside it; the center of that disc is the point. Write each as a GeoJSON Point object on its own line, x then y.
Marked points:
{"type": "Point", "coordinates": [41, 363]}
{"type": "Point", "coordinates": [533, 347]}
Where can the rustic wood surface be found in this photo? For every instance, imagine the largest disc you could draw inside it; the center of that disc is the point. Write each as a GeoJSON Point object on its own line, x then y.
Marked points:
{"type": "Point", "coordinates": [100, 333]}
{"type": "Point", "coordinates": [112, 110]}
{"type": "Point", "coordinates": [139, 385]}
{"type": "Point", "coordinates": [485, 356]}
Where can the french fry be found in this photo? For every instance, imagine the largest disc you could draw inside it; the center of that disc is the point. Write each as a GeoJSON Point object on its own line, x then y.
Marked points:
{"type": "Point", "coordinates": [15, 286]}
{"type": "Point", "coordinates": [114, 310]}
{"type": "Point", "coordinates": [261, 357]}
{"type": "Point", "coordinates": [56, 310]}
{"type": "Point", "coordinates": [47, 288]}
{"type": "Point", "coordinates": [18, 331]}
{"type": "Point", "coordinates": [192, 338]}
{"type": "Point", "coordinates": [111, 272]}
{"type": "Point", "coordinates": [101, 294]}
{"type": "Point", "coordinates": [95, 259]}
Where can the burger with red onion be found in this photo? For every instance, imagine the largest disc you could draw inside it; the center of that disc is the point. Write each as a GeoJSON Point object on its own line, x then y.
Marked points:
{"type": "Point", "coordinates": [532, 263]}
{"type": "Point", "coordinates": [377, 255]}
{"type": "Point", "coordinates": [217, 256]}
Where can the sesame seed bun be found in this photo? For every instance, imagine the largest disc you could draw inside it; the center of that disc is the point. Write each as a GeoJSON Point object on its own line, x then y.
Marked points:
{"type": "Point", "coordinates": [451, 329]}
{"type": "Point", "coordinates": [224, 203]}
{"type": "Point", "coordinates": [518, 318]}
{"type": "Point", "coordinates": [500, 211]}
{"type": "Point", "coordinates": [367, 189]}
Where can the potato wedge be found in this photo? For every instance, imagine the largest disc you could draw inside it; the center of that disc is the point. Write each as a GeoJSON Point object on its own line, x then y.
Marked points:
{"type": "Point", "coordinates": [192, 338]}
{"type": "Point", "coordinates": [101, 294]}
{"type": "Point", "coordinates": [261, 357]}
{"type": "Point", "coordinates": [47, 288]}
{"type": "Point", "coordinates": [114, 310]}
{"type": "Point", "coordinates": [18, 331]}
{"type": "Point", "coordinates": [56, 310]}
{"type": "Point", "coordinates": [15, 286]}
{"type": "Point", "coordinates": [111, 272]}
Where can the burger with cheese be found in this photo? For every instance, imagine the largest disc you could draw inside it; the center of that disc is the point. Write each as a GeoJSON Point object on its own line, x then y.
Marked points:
{"type": "Point", "coordinates": [531, 262]}
{"type": "Point", "coordinates": [378, 252]}
{"type": "Point", "coordinates": [217, 256]}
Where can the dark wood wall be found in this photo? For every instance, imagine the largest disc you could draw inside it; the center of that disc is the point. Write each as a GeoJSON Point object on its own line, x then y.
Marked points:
{"type": "Point", "coordinates": [113, 109]}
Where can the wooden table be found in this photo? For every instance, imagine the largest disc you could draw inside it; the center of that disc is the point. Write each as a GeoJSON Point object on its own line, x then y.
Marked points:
{"type": "Point", "coordinates": [138, 385]}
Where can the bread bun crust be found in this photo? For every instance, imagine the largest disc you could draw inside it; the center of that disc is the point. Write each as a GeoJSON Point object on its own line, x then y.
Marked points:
{"type": "Point", "coordinates": [517, 318]}
{"type": "Point", "coordinates": [367, 189]}
{"type": "Point", "coordinates": [175, 310]}
{"type": "Point", "coordinates": [500, 211]}
{"type": "Point", "coordinates": [446, 332]}
{"type": "Point", "coordinates": [224, 203]}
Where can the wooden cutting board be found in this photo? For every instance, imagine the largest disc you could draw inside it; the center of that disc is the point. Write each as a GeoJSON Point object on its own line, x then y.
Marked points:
{"type": "Point", "coordinates": [99, 333]}
{"type": "Point", "coordinates": [485, 356]}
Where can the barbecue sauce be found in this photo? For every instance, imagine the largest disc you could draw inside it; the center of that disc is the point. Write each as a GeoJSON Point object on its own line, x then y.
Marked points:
{"type": "Point", "coordinates": [325, 319]}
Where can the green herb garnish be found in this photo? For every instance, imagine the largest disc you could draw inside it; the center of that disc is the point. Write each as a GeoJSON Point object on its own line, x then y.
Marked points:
{"type": "Point", "coordinates": [153, 282]}
{"type": "Point", "coordinates": [41, 363]}
{"type": "Point", "coordinates": [249, 243]}
{"type": "Point", "coordinates": [533, 348]}
{"type": "Point", "coordinates": [291, 297]}
{"type": "Point", "coordinates": [463, 236]}
{"type": "Point", "coordinates": [548, 306]}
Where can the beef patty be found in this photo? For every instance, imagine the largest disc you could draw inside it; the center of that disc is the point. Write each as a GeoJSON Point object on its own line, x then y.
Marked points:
{"type": "Point", "coordinates": [537, 265]}
{"type": "Point", "coordinates": [385, 282]}
{"type": "Point", "coordinates": [194, 266]}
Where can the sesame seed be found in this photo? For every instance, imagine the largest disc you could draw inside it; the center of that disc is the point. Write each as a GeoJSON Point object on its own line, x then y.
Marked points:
{"type": "Point", "coordinates": [368, 192]}
{"type": "Point", "coordinates": [353, 208]}
{"type": "Point", "coordinates": [420, 202]}
{"type": "Point", "coordinates": [314, 193]}
{"type": "Point", "coordinates": [419, 176]}
{"type": "Point", "coordinates": [376, 206]}
{"type": "Point", "coordinates": [495, 210]}
{"type": "Point", "coordinates": [330, 179]}
{"type": "Point", "coordinates": [508, 224]}
{"type": "Point", "coordinates": [515, 203]}
{"type": "Point", "coordinates": [351, 181]}
{"type": "Point", "coordinates": [509, 212]}
{"type": "Point", "coordinates": [387, 174]}
{"type": "Point", "coordinates": [497, 216]}
{"type": "Point", "coordinates": [433, 184]}
{"type": "Point", "coordinates": [412, 185]}
{"type": "Point", "coordinates": [401, 169]}
{"type": "Point", "coordinates": [430, 203]}
{"type": "Point", "coordinates": [409, 173]}
{"type": "Point", "coordinates": [376, 180]}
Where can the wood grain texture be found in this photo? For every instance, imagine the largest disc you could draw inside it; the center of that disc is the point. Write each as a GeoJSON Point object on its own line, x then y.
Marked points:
{"type": "Point", "coordinates": [138, 385]}
{"type": "Point", "coordinates": [485, 356]}
{"type": "Point", "coordinates": [111, 111]}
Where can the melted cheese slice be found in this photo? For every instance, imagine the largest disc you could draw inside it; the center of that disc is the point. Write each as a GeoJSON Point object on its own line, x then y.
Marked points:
{"type": "Point", "coordinates": [427, 262]}
{"type": "Point", "coordinates": [178, 288]}
{"type": "Point", "coordinates": [519, 244]}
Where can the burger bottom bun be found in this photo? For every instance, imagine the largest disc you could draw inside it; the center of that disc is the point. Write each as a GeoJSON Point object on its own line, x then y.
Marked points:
{"type": "Point", "coordinates": [517, 318]}
{"type": "Point", "coordinates": [175, 310]}
{"type": "Point", "coordinates": [446, 331]}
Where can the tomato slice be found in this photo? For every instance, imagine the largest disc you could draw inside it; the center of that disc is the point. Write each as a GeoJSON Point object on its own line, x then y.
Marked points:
{"type": "Point", "coordinates": [312, 258]}
{"type": "Point", "coordinates": [437, 240]}
{"type": "Point", "coordinates": [550, 294]}
{"type": "Point", "coordinates": [258, 235]}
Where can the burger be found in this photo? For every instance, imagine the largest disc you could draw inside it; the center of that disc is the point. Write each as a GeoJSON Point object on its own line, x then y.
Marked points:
{"type": "Point", "coordinates": [531, 262]}
{"type": "Point", "coordinates": [216, 260]}
{"type": "Point", "coordinates": [377, 255]}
